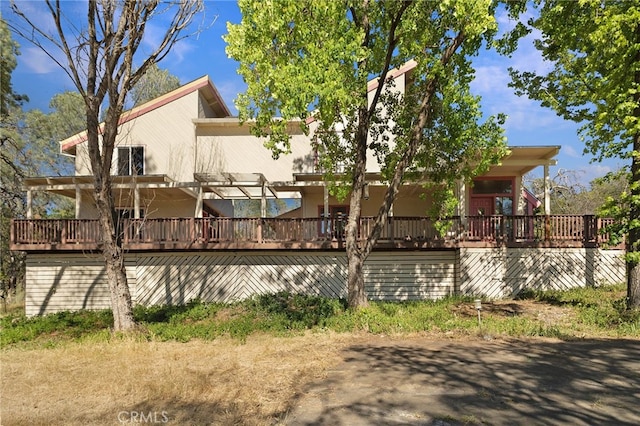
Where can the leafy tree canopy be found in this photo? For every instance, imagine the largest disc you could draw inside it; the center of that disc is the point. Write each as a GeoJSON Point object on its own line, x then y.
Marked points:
{"type": "Point", "coordinates": [593, 47]}
{"type": "Point", "coordinates": [315, 58]}
{"type": "Point", "coordinates": [301, 56]}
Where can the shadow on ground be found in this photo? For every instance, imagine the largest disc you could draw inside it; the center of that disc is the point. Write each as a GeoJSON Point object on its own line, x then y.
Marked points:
{"type": "Point", "coordinates": [455, 382]}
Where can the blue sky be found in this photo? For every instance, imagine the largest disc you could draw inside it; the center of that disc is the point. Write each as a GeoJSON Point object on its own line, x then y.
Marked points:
{"type": "Point", "coordinates": [528, 124]}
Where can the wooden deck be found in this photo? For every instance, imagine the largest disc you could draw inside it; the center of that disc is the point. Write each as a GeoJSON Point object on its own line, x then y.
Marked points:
{"type": "Point", "coordinates": [41, 235]}
{"type": "Point", "coordinates": [310, 233]}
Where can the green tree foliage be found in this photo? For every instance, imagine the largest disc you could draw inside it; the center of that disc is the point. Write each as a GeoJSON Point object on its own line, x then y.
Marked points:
{"type": "Point", "coordinates": [11, 172]}
{"type": "Point", "coordinates": [9, 50]}
{"type": "Point", "coordinates": [154, 82]}
{"type": "Point", "coordinates": [594, 49]}
{"type": "Point", "coordinates": [42, 131]}
{"type": "Point", "coordinates": [10, 117]}
{"type": "Point", "coordinates": [29, 148]}
{"type": "Point", "coordinates": [298, 56]}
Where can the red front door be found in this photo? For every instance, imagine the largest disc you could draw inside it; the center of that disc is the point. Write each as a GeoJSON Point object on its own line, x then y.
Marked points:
{"type": "Point", "coordinates": [481, 206]}
{"type": "Point", "coordinates": [481, 209]}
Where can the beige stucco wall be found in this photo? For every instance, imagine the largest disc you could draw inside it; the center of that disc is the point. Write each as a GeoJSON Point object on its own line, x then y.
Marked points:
{"type": "Point", "coordinates": [408, 202]}
{"type": "Point", "coordinates": [167, 136]}
{"type": "Point", "coordinates": [231, 148]}
{"type": "Point", "coordinates": [180, 206]}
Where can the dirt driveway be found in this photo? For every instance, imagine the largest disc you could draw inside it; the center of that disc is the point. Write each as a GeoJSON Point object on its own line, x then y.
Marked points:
{"type": "Point", "coordinates": [477, 381]}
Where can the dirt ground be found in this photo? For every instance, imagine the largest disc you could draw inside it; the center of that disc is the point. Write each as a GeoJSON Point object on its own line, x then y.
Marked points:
{"type": "Point", "coordinates": [428, 380]}
{"type": "Point", "coordinates": [421, 381]}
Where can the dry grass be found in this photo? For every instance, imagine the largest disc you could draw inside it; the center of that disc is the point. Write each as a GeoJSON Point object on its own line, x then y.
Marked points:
{"type": "Point", "coordinates": [217, 382]}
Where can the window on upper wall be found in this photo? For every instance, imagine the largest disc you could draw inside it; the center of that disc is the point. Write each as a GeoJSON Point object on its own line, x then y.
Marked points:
{"type": "Point", "coordinates": [493, 186]}
{"type": "Point", "coordinates": [131, 161]}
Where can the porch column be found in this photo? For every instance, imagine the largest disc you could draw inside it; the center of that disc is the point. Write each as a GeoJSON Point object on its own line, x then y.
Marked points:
{"type": "Point", "coordinates": [263, 200]}
{"type": "Point", "coordinates": [136, 199]}
{"type": "Point", "coordinates": [199, 201]}
{"type": "Point", "coordinates": [263, 209]}
{"type": "Point", "coordinates": [462, 202]}
{"type": "Point", "coordinates": [391, 233]}
{"type": "Point", "coordinates": [547, 189]}
{"type": "Point", "coordinates": [521, 204]}
{"type": "Point", "coordinates": [78, 201]}
{"type": "Point", "coordinates": [29, 204]}
{"type": "Point", "coordinates": [325, 219]}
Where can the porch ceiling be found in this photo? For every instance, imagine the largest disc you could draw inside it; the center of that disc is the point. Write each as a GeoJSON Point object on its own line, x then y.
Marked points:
{"type": "Point", "coordinates": [225, 185]}
{"type": "Point", "coordinates": [523, 159]}
{"type": "Point", "coordinates": [156, 187]}
{"type": "Point", "coordinates": [162, 188]}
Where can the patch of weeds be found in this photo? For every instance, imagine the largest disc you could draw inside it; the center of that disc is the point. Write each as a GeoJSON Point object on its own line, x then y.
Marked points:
{"type": "Point", "coordinates": [55, 327]}
{"type": "Point", "coordinates": [194, 310]}
{"type": "Point", "coordinates": [298, 310]}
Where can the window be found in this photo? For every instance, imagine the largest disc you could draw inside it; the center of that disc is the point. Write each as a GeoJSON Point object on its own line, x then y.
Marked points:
{"type": "Point", "coordinates": [494, 186]}
{"type": "Point", "coordinates": [492, 197]}
{"type": "Point", "coordinates": [504, 206]}
{"type": "Point", "coordinates": [131, 161]}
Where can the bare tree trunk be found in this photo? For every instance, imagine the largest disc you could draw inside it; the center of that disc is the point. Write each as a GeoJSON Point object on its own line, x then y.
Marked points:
{"type": "Point", "coordinates": [99, 61]}
{"type": "Point", "coordinates": [633, 285]}
{"type": "Point", "coordinates": [113, 254]}
{"type": "Point", "coordinates": [356, 295]}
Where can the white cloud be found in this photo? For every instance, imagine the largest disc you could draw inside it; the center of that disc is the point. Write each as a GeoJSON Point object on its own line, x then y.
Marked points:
{"type": "Point", "coordinates": [571, 151]}
{"type": "Point", "coordinates": [492, 82]}
{"type": "Point", "coordinates": [37, 61]}
{"type": "Point", "coordinates": [595, 171]}
{"type": "Point", "coordinates": [180, 51]}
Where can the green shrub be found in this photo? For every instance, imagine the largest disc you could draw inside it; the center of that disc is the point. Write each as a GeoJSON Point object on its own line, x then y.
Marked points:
{"type": "Point", "coordinates": [57, 326]}
{"type": "Point", "coordinates": [593, 311]}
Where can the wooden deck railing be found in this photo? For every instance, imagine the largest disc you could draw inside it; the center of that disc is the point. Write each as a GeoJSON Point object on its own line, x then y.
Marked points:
{"type": "Point", "coordinates": [80, 234]}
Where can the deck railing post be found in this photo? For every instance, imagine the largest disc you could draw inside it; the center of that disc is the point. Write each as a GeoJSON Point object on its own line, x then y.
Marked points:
{"type": "Point", "coordinates": [547, 227]}
{"type": "Point", "coordinates": [125, 228]}
{"type": "Point", "coordinates": [587, 229]}
{"type": "Point", "coordinates": [63, 234]}
{"type": "Point", "coordinates": [260, 230]}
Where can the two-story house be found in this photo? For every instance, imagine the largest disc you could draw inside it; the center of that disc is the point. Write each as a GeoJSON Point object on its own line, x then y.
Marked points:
{"type": "Point", "coordinates": [182, 160]}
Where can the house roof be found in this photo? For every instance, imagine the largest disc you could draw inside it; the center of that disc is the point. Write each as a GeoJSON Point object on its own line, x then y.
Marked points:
{"type": "Point", "coordinates": [203, 84]}
{"type": "Point", "coordinates": [393, 74]}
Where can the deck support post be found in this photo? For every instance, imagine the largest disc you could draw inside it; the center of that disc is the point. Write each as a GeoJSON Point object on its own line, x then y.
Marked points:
{"type": "Point", "coordinates": [391, 232]}
{"type": "Point", "coordinates": [462, 208]}
{"type": "Point", "coordinates": [263, 209]}
{"type": "Point", "coordinates": [547, 203]}
{"type": "Point", "coordinates": [263, 200]}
